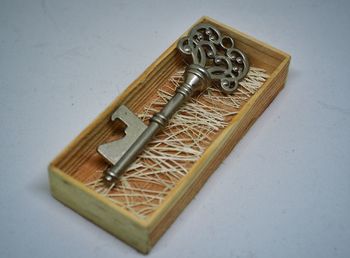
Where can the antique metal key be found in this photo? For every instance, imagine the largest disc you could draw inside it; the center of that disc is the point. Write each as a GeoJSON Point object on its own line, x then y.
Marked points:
{"type": "Point", "coordinates": [214, 58]}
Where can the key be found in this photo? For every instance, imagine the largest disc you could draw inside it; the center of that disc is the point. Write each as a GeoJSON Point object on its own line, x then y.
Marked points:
{"type": "Point", "coordinates": [214, 58]}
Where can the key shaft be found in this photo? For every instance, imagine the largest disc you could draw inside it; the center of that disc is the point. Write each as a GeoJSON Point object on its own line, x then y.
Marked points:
{"type": "Point", "coordinates": [196, 80]}
{"type": "Point", "coordinates": [214, 58]}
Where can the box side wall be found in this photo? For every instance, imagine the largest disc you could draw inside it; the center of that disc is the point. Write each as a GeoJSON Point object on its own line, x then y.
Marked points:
{"type": "Point", "coordinates": [260, 54]}
{"type": "Point", "coordinates": [132, 96]}
{"type": "Point", "coordinates": [249, 40]}
{"type": "Point", "coordinates": [212, 159]}
{"type": "Point", "coordinates": [92, 208]}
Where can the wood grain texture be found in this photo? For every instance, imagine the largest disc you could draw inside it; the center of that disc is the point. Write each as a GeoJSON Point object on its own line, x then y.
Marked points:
{"type": "Point", "coordinates": [67, 175]}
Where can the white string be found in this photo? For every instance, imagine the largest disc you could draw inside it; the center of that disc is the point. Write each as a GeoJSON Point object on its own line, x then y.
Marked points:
{"type": "Point", "coordinates": [168, 158]}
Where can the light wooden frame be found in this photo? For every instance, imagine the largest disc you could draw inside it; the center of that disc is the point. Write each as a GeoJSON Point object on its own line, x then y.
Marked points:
{"type": "Point", "coordinates": [142, 234]}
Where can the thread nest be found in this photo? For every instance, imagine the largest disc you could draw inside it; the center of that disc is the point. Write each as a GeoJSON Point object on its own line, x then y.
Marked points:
{"type": "Point", "coordinates": [169, 157]}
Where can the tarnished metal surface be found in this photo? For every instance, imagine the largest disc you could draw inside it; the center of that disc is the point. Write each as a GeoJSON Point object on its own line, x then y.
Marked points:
{"type": "Point", "coordinates": [214, 57]}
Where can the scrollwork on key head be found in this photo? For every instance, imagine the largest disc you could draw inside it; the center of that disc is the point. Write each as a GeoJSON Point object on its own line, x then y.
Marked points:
{"type": "Point", "coordinates": [217, 54]}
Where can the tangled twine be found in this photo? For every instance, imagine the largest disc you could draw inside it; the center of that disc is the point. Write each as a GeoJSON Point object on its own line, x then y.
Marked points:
{"type": "Point", "coordinates": [168, 158]}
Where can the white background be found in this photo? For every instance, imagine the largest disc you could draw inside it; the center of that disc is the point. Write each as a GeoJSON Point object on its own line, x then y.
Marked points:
{"type": "Point", "coordinates": [283, 192]}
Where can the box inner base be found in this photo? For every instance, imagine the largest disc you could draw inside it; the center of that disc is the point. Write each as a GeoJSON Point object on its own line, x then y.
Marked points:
{"type": "Point", "coordinates": [170, 156]}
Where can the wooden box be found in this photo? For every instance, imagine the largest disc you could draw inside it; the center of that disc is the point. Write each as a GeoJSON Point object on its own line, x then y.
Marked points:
{"type": "Point", "coordinates": [68, 172]}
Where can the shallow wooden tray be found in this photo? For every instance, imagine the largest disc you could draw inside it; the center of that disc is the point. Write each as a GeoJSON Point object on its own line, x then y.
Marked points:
{"type": "Point", "coordinates": [68, 171]}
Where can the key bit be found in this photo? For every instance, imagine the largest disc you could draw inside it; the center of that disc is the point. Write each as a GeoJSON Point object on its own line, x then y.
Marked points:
{"type": "Point", "coordinates": [214, 58]}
